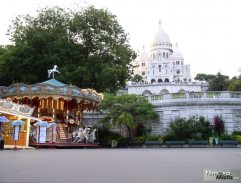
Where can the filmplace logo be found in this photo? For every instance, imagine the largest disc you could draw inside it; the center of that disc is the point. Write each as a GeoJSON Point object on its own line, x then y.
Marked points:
{"type": "Point", "coordinates": [213, 175]}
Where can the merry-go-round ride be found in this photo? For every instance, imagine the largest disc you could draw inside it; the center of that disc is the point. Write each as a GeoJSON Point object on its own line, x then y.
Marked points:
{"type": "Point", "coordinates": [56, 103]}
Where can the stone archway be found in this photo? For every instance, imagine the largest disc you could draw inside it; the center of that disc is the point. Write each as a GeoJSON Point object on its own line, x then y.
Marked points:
{"type": "Point", "coordinates": [146, 93]}
{"type": "Point", "coordinates": [164, 91]}
{"type": "Point", "coordinates": [159, 81]}
{"type": "Point", "coordinates": [181, 91]}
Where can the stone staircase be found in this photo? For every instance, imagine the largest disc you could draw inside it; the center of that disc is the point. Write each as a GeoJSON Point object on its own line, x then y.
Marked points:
{"type": "Point", "coordinates": [62, 133]}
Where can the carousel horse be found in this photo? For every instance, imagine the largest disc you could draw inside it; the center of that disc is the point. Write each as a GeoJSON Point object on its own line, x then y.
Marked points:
{"type": "Point", "coordinates": [53, 71]}
{"type": "Point", "coordinates": [83, 135]}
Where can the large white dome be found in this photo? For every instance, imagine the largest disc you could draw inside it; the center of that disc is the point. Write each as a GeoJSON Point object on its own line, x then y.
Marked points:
{"type": "Point", "coordinates": [161, 36]}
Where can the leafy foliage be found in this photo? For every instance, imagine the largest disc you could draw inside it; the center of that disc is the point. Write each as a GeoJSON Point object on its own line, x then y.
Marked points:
{"type": "Point", "coordinates": [128, 112]}
{"type": "Point", "coordinates": [89, 46]}
{"type": "Point", "coordinates": [182, 129]}
{"type": "Point", "coordinates": [137, 78]}
{"type": "Point", "coordinates": [204, 77]}
{"type": "Point", "coordinates": [217, 82]}
{"type": "Point", "coordinates": [235, 84]}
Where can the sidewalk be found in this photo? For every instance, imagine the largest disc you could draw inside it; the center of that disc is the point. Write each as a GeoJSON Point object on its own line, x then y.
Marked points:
{"type": "Point", "coordinates": [11, 147]}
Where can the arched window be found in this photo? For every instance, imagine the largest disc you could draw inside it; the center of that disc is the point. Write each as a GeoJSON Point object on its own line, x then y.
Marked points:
{"type": "Point", "coordinates": [166, 80]}
{"type": "Point", "coordinates": [143, 73]}
{"type": "Point", "coordinates": [159, 81]}
{"type": "Point", "coordinates": [153, 81]}
{"type": "Point", "coordinates": [160, 68]}
{"type": "Point", "coordinates": [177, 62]}
{"type": "Point", "coordinates": [163, 54]}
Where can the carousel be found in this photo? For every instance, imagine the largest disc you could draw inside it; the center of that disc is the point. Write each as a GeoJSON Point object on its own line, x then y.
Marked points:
{"type": "Point", "coordinates": [56, 103]}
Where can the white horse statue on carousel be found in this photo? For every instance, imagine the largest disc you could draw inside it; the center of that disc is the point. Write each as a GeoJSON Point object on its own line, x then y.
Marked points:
{"type": "Point", "coordinates": [85, 135]}
{"type": "Point", "coordinates": [52, 71]}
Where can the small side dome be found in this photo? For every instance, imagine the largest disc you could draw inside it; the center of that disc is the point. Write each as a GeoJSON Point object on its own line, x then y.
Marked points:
{"type": "Point", "coordinates": [177, 53]}
{"type": "Point", "coordinates": [143, 56]}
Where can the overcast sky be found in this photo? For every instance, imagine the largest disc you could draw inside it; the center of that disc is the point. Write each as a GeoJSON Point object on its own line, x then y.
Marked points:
{"type": "Point", "coordinates": [208, 31]}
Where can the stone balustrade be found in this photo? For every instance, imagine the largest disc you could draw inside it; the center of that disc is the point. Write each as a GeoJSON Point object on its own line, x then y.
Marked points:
{"type": "Point", "coordinates": [195, 95]}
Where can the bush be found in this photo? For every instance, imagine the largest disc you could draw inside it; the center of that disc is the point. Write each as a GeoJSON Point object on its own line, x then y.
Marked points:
{"type": "Point", "coordinates": [141, 139]}
{"type": "Point", "coordinates": [192, 128]}
{"type": "Point", "coordinates": [135, 143]}
{"type": "Point", "coordinates": [236, 133]}
{"type": "Point", "coordinates": [105, 136]}
{"type": "Point", "coordinates": [238, 138]}
{"type": "Point", "coordinates": [152, 138]}
{"type": "Point", "coordinates": [170, 137]}
{"type": "Point", "coordinates": [123, 142]}
{"type": "Point", "coordinates": [227, 137]}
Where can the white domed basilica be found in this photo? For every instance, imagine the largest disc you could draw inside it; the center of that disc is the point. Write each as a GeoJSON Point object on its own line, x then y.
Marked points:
{"type": "Point", "coordinates": [162, 64]}
{"type": "Point", "coordinates": [167, 85]}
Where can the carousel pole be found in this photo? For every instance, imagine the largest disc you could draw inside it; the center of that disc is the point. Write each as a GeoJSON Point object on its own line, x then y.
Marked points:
{"type": "Point", "coordinates": [52, 134]}
{"type": "Point", "coordinates": [15, 144]}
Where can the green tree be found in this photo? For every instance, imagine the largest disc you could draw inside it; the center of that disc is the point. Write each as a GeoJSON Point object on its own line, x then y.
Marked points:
{"type": "Point", "coordinates": [137, 78]}
{"type": "Point", "coordinates": [235, 84]}
{"type": "Point", "coordinates": [128, 111]}
{"type": "Point", "coordinates": [204, 77]}
{"type": "Point", "coordinates": [107, 55]}
{"type": "Point", "coordinates": [89, 46]}
{"type": "Point", "coordinates": [219, 83]}
{"type": "Point", "coordinates": [7, 74]}
{"type": "Point", "coordinates": [194, 127]}
{"type": "Point", "coordinates": [40, 42]}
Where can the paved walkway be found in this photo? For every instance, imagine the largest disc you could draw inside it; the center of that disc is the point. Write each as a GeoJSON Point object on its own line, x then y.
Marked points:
{"type": "Point", "coordinates": [10, 147]}
{"type": "Point", "coordinates": [172, 165]}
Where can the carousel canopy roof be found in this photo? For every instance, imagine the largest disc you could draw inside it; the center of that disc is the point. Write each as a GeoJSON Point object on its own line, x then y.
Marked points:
{"type": "Point", "coordinates": [50, 88]}
{"type": "Point", "coordinates": [53, 82]}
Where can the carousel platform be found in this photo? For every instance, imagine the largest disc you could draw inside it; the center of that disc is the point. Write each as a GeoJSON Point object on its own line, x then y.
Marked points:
{"type": "Point", "coordinates": [65, 145]}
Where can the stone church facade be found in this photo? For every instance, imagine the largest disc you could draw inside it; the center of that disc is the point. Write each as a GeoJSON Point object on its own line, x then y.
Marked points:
{"type": "Point", "coordinates": [168, 86]}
